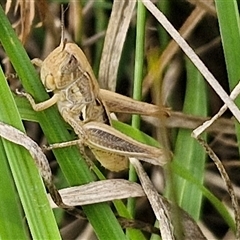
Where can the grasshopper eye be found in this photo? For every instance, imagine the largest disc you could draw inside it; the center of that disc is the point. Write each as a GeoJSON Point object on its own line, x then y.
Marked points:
{"type": "Point", "coordinates": [49, 82]}
{"type": "Point", "coordinates": [70, 64]}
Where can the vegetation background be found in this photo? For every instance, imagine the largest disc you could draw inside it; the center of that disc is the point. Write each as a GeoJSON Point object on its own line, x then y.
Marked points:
{"type": "Point", "coordinates": [166, 78]}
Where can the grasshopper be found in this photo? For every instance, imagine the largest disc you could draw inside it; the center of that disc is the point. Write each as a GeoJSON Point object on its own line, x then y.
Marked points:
{"type": "Point", "coordinates": [86, 108]}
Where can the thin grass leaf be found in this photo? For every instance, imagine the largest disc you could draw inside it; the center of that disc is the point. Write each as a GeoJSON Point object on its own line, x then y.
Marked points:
{"type": "Point", "coordinates": [25, 110]}
{"type": "Point", "coordinates": [137, 87]}
{"type": "Point", "coordinates": [101, 23]}
{"type": "Point", "coordinates": [228, 18]}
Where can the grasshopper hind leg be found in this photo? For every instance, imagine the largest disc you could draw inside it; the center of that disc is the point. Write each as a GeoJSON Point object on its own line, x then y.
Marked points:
{"type": "Point", "coordinates": [63, 144]}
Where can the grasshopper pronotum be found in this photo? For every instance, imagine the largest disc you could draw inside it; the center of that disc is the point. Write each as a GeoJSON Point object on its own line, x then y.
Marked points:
{"type": "Point", "coordinates": [67, 73]}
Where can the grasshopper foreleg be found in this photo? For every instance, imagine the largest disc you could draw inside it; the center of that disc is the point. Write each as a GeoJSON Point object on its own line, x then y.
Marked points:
{"type": "Point", "coordinates": [42, 105]}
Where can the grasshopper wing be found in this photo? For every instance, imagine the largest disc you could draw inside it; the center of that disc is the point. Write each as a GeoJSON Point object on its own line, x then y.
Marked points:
{"type": "Point", "coordinates": [104, 138]}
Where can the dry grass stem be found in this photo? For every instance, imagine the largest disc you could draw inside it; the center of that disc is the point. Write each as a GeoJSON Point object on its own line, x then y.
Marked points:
{"type": "Point", "coordinates": [227, 182]}
{"type": "Point", "coordinates": [115, 37]}
{"type": "Point", "coordinates": [161, 212]}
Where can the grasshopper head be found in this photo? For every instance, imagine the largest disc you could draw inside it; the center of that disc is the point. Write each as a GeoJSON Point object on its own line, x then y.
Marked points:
{"type": "Point", "coordinates": [64, 65]}
{"type": "Point", "coordinates": [58, 68]}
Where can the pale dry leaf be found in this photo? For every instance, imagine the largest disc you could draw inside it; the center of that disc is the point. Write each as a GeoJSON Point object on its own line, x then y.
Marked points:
{"type": "Point", "coordinates": [78, 229]}
{"type": "Point", "coordinates": [16, 136]}
{"type": "Point", "coordinates": [27, 16]}
{"type": "Point", "coordinates": [75, 23]}
{"type": "Point", "coordinates": [87, 233]}
{"type": "Point", "coordinates": [100, 191]}
{"type": "Point", "coordinates": [88, 7]}
{"type": "Point", "coordinates": [207, 232]}
{"type": "Point", "coordinates": [113, 44]}
{"type": "Point", "coordinates": [159, 208]}
{"type": "Point", "coordinates": [193, 57]}
{"type": "Point", "coordinates": [229, 235]}
{"type": "Point", "coordinates": [8, 6]}
{"type": "Point", "coordinates": [27, 13]}
{"type": "Point", "coordinates": [93, 39]}
{"type": "Point", "coordinates": [17, 5]}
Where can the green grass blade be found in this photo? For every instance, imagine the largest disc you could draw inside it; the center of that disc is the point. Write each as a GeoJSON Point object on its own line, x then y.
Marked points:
{"type": "Point", "coordinates": [12, 226]}
{"type": "Point", "coordinates": [228, 17]}
{"type": "Point", "coordinates": [137, 88]}
{"type": "Point", "coordinates": [25, 110]}
{"type": "Point", "coordinates": [30, 187]}
{"type": "Point", "coordinates": [72, 164]}
{"type": "Point", "coordinates": [187, 150]}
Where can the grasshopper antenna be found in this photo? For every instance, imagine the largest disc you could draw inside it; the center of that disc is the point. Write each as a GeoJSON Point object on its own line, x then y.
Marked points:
{"type": "Point", "coordinates": [63, 39]}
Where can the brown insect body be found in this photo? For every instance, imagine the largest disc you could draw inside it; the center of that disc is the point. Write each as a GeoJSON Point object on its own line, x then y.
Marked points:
{"type": "Point", "coordinates": [68, 74]}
